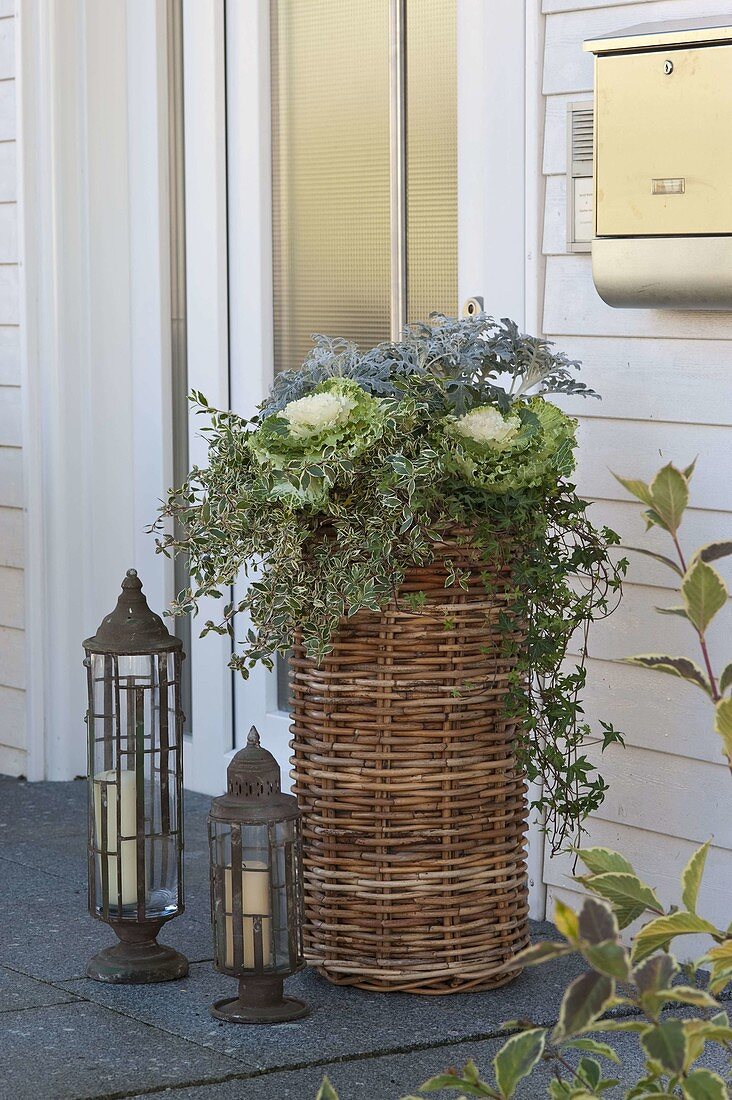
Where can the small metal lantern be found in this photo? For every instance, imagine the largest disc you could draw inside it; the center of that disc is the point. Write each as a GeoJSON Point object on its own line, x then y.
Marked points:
{"type": "Point", "coordinates": [256, 889]}
{"type": "Point", "coordinates": [135, 786]}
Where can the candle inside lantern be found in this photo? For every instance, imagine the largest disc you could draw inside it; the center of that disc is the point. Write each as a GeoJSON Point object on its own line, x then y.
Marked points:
{"type": "Point", "coordinates": [127, 828]}
{"type": "Point", "coordinates": [255, 901]}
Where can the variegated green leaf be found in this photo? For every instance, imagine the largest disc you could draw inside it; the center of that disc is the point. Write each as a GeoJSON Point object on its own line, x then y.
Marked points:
{"type": "Point", "coordinates": [672, 666]}
{"type": "Point", "coordinates": [659, 933]}
{"type": "Point", "coordinates": [725, 680]}
{"type": "Point", "coordinates": [689, 995]}
{"type": "Point", "coordinates": [584, 1001]}
{"type": "Point", "coordinates": [609, 958]}
{"type": "Point", "coordinates": [593, 1046]}
{"type": "Point", "coordinates": [668, 562]}
{"type": "Point", "coordinates": [714, 550]}
{"type": "Point", "coordinates": [680, 611]}
{"type": "Point", "coordinates": [628, 896]}
{"type": "Point", "coordinates": [655, 973]}
{"type": "Point", "coordinates": [326, 1091]}
{"type": "Point", "coordinates": [703, 1084]}
{"type": "Point", "coordinates": [596, 922]}
{"type": "Point", "coordinates": [517, 1058]}
{"type": "Point", "coordinates": [669, 496]}
{"type": "Point", "coordinates": [704, 594]}
{"type": "Point", "coordinates": [599, 860]}
{"type": "Point", "coordinates": [691, 877]}
{"type": "Point", "coordinates": [666, 1044]}
{"type": "Point", "coordinates": [566, 921]}
{"type": "Point", "coordinates": [723, 725]}
{"type": "Point", "coordinates": [689, 470]}
{"type": "Point", "coordinates": [541, 953]}
{"type": "Point", "coordinates": [636, 488]}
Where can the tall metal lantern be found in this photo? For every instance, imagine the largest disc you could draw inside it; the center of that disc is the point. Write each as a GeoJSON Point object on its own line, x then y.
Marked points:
{"type": "Point", "coordinates": [135, 786]}
{"type": "Point", "coordinates": [256, 888]}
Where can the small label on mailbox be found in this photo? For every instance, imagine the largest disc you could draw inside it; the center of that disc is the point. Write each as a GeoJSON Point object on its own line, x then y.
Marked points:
{"type": "Point", "coordinates": [668, 186]}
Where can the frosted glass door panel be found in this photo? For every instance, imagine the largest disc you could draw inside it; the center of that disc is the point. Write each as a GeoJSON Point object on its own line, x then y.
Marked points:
{"type": "Point", "coordinates": [330, 161]}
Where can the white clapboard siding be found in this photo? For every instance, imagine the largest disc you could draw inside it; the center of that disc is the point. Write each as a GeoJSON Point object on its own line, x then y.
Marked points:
{"type": "Point", "coordinates": [555, 131]}
{"type": "Point", "coordinates": [666, 381]}
{"type": "Point", "coordinates": [555, 216]}
{"type": "Point", "coordinates": [12, 718]}
{"type": "Point", "coordinates": [11, 597]}
{"type": "Point", "coordinates": [653, 379]}
{"type": "Point", "coordinates": [567, 68]}
{"type": "Point", "coordinates": [8, 172]}
{"type": "Point", "coordinates": [10, 419]}
{"type": "Point", "coordinates": [8, 232]}
{"type": "Point", "coordinates": [572, 307]}
{"type": "Point", "coordinates": [9, 294]}
{"type": "Point", "coordinates": [635, 448]}
{"type": "Point", "coordinates": [682, 716]}
{"type": "Point", "coordinates": [8, 125]}
{"type": "Point", "coordinates": [11, 476]}
{"type": "Point", "coordinates": [9, 355]}
{"type": "Point", "coordinates": [12, 657]}
{"type": "Point", "coordinates": [11, 537]}
{"type": "Point", "coordinates": [7, 47]}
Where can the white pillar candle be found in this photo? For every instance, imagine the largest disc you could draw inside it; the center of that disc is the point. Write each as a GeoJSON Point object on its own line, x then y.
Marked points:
{"type": "Point", "coordinates": [255, 901]}
{"type": "Point", "coordinates": [128, 828]}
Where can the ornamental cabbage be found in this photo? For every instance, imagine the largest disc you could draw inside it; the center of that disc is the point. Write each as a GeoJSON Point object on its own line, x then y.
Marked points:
{"type": "Point", "coordinates": [337, 420]}
{"type": "Point", "coordinates": [530, 449]}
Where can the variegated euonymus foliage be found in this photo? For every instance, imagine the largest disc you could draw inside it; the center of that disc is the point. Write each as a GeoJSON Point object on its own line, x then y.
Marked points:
{"type": "Point", "coordinates": [357, 465]}
{"type": "Point", "coordinates": [636, 986]}
{"type": "Point", "coordinates": [703, 592]}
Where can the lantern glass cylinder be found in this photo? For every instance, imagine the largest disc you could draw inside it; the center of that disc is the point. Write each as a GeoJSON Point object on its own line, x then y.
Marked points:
{"type": "Point", "coordinates": [135, 788]}
{"type": "Point", "coordinates": [255, 844]}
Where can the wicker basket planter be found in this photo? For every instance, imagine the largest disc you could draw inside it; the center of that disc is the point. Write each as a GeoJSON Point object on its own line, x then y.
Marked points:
{"type": "Point", "coordinates": [414, 809]}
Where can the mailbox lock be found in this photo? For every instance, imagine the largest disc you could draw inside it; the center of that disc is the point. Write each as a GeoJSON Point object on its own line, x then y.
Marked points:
{"type": "Point", "coordinates": [668, 67]}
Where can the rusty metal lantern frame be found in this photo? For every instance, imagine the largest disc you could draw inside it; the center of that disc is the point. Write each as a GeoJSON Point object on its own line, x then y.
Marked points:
{"type": "Point", "coordinates": [256, 903]}
{"type": "Point", "coordinates": [135, 840]}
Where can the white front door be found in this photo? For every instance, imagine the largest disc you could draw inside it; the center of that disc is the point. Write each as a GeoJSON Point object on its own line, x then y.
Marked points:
{"type": "Point", "coordinates": [373, 170]}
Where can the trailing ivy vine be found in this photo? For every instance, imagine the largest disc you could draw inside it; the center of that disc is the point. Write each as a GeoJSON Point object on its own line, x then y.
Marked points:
{"type": "Point", "coordinates": [358, 464]}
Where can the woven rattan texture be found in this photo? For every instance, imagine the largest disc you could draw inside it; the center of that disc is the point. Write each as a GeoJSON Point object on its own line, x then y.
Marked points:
{"type": "Point", "coordinates": [414, 809]}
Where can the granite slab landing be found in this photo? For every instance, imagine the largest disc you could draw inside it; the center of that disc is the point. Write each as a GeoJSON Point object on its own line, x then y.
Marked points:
{"type": "Point", "coordinates": [64, 1037]}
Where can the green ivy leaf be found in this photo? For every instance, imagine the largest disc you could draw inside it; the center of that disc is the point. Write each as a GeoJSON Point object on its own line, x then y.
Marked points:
{"type": "Point", "coordinates": [723, 725]}
{"type": "Point", "coordinates": [666, 1044]}
{"type": "Point", "coordinates": [584, 1000]}
{"type": "Point", "coordinates": [691, 877]}
{"type": "Point", "coordinates": [702, 1084]}
{"type": "Point", "coordinates": [517, 1058]}
{"type": "Point", "coordinates": [628, 896]}
{"type": "Point", "coordinates": [669, 496]}
{"type": "Point", "coordinates": [657, 934]}
{"type": "Point", "coordinates": [672, 666]}
{"type": "Point", "coordinates": [704, 594]}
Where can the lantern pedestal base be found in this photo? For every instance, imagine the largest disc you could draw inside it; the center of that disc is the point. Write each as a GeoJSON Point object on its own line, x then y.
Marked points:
{"type": "Point", "coordinates": [260, 1001]}
{"type": "Point", "coordinates": [137, 959]}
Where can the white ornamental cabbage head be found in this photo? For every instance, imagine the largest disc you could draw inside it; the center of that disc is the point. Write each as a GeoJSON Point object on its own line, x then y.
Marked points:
{"type": "Point", "coordinates": [316, 413]}
{"type": "Point", "coordinates": [486, 425]}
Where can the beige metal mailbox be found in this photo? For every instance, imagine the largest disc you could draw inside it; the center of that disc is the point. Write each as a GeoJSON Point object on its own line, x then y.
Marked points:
{"type": "Point", "coordinates": [663, 165]}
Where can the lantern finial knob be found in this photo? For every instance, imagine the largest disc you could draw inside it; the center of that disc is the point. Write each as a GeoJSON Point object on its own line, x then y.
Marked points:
{"type": "Point", "coordinates": [253, 736]}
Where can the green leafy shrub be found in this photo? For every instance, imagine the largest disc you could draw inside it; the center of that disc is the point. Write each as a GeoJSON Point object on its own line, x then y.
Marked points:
{"type": "Point", "coordinates": [641, 983]}
{"type": "Point", "coordinates": [702, 590]}
{"type": "Point", "coordinates": [359, 463]}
